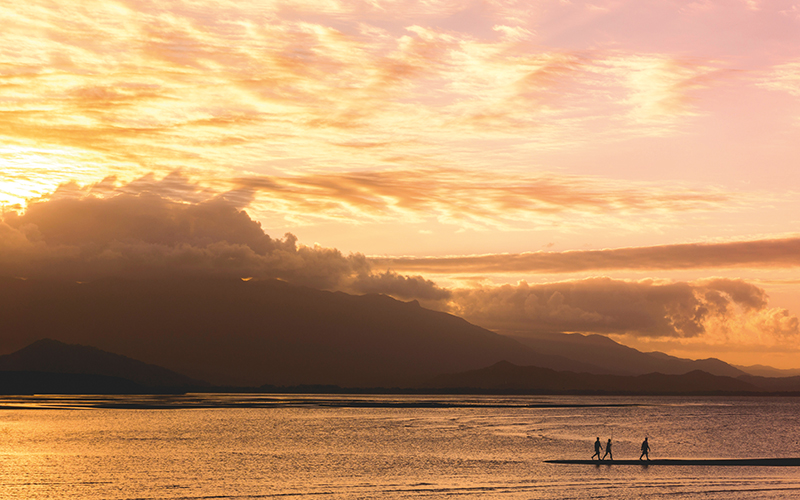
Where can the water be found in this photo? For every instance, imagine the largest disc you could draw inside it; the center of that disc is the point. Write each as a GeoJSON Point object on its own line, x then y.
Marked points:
{"type": "Point", "coordinates": [265, 446]}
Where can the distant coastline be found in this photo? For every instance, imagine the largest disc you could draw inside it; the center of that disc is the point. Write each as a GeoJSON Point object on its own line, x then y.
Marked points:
{"type": "Point", "coordinates": [21, 383]}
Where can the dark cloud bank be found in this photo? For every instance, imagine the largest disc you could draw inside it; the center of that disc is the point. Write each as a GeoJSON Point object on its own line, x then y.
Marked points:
{"type": "Point", "coordinates": [145, 235]}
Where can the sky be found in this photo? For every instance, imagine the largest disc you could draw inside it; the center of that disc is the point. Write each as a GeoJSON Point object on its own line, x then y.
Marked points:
{"type": "Point", "coordinates": [624, 168]}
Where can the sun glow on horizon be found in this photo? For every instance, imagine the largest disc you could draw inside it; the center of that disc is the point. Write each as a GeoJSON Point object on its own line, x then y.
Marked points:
{"type": "Point", "coordinates": [29, 173]}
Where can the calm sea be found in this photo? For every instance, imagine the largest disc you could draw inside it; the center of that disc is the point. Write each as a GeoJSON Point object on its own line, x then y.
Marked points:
{"type": "Point", "coordinates": [265, 446]}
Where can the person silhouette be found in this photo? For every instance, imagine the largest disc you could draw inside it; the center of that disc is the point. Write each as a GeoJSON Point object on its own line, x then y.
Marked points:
{"type": "Point", "coordinates": [597, 449]}
{"type": "Point", "coordinates": [645, 450]}
{"type": "Point", "coordinates": [608, 450]}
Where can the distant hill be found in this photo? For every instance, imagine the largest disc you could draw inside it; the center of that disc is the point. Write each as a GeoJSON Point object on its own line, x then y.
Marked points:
{"type": "Point", "coordinates": [52, 356]}
{"type": "Point", "coordinates": [52, 367]}
{"type": "Point", "coordinates": [709, 365]}
{"type": "Point", "coordinates": [768, 371]}
{"type": "Point", "coordinates": [231, 332]}
{"type": "Point", "coordinates": [773, 384]}
{"type": "Point", "coordinates": [28, 383]}
{"type": "Point", "coordinates": [505, 377]}
{"type": "Point", "coordinates": [618, 359]}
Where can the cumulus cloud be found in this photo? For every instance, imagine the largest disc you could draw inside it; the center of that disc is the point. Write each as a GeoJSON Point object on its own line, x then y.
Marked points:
{"type": "Point", "coordinates": [648, 308]}
{"type": "Point", "coordinates": [136, 231]}
{"type": "Point", "coordinates": [767, 253]}
{"type": "Point", "coordinates": [405, 287]}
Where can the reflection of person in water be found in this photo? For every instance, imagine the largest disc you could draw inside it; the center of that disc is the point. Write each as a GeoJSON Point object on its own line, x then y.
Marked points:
{"type": "Point", "coordinates": [645, 449]}
{"type": "Point", "coordinates": [608, 450]}
{"type": "Point", "coordinates": [597, 449]}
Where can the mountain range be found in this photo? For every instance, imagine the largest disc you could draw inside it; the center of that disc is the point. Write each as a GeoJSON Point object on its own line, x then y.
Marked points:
{"type": "Point", "coordinates": [611, 357]}
{"type": "Point", "coordinates": [52, 367]}
{"type": "Point", "coordinates": [249, 333]}
{"type": "Point", "coordinates": [214, 332]}
{"type": "Point", "coordinates": [505, 377]}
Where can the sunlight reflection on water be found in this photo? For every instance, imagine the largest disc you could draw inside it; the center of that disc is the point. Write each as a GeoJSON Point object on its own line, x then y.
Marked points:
{"type": "Point", "coordinates": [261, 446]}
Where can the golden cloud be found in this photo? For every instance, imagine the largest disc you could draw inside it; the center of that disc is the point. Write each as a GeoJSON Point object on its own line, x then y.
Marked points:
{"type": "Point", "coordinates": [767, 253]}
{"type": "Point", "coordinates": [469, 199]}
{"type": "Point", "coordinates": [475, 199]}
{"type": "Point", "coordinates": [703, 309]}
{"type": "Point", "coordinates": [238, 85]}
{"type": "Point", "coordinates": [661, 88]}
{"type": "Point", "coordinates": [171, 228]}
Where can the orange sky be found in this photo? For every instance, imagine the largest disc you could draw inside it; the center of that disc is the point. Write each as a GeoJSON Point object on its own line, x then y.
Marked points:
{"type": "Point", "coordinates": [619, 167]}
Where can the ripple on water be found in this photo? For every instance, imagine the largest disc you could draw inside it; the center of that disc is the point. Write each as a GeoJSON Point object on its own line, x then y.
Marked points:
{"type": "Point", "coordinates": [262, 446]}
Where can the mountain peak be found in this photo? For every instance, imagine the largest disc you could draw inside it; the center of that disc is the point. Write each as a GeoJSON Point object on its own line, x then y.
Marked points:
{"type": "Point", "coordinates": [53, 356]}
{"type": "Point", "coordinates": [231, 332]}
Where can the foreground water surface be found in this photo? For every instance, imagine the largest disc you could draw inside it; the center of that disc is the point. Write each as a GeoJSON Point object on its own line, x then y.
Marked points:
{"type": "Point", "coordinates": [264, 446]}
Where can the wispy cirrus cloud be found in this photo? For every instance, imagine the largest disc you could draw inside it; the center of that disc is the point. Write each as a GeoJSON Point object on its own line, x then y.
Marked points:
{"type": "Point", "coordinates": [663, 89]}
{"type": "Point", "coordinates": [461, 199]}
{"type": "Point", "coordinates": [767, 253]}
{"type": "Point", "coordinates": [239, 86]}
{"type": "Point", "coordinates": [784, 78]}
{"type": "Point", "coordinates": [474, 199]}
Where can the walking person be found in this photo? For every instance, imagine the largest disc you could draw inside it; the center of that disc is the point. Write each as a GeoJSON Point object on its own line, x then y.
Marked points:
{"type": "Point", "coordinates": [645, 450]}
{"type": "Point", "coordinates": [598, 447]}
{"type": "Point", "coordinates": [608, 451]}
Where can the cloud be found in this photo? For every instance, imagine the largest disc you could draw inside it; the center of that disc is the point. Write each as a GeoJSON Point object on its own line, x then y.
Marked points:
{"type": "Point", "coordinates": [767, 253]}
{"type": "Point", "coordinates": [711, 308]}
{"type": "Point", "coordinates": [405, 287]}
{"type": "Point", "coordinates": [662, 88]}
{"type": "Point", "coordinates": [171, 228]}
{"type": "Point", "coordinates": [110, 212]}
{"type": "Point", "coordinates": [783, 78]}
{"type": "Point", "coordinates": [473, 199]}
{"type": "Point", "coordinates": [752, 4]}
{"type": "Point", "coordinates": [218, 86]}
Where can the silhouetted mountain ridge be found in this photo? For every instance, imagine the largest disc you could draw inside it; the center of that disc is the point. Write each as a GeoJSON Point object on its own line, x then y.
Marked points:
{"type": "Point", "coordinates": [505, 377]}
{"type": "Point", "coordinates": [619, 359]}
{"type": "Point", "coordinates": [51, 367]}
{"type": "Point", "coordinates": [232, 332]}
{"type": "Point", "coordinates": [270, 333]}
{"type": "Point", "coordinates": [768, 371]}
{"type": "Point", "coordinates": [773, 384]}
{"type": "Point", "coordinates": [52, 356]}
